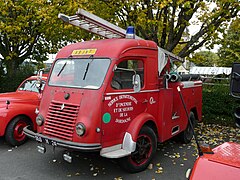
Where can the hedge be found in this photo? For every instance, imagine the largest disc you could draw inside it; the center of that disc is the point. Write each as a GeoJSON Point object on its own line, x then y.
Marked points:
{"type": "Point", "coordinates": [218, 105]}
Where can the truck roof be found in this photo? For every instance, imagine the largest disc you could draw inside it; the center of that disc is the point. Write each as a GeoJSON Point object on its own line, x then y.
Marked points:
{"type": "Point", "coordinates": [112, 48]}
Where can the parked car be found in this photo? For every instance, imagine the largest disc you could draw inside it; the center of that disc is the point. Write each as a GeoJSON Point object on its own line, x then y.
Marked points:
{"type": "Point", "coordinates": [221, 164]}
{"type": "Point", "coordinates": [17, 110]}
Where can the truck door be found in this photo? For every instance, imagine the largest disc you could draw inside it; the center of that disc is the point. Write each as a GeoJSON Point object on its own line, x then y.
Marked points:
{"type": "Point", "coordinates": [121, 103]}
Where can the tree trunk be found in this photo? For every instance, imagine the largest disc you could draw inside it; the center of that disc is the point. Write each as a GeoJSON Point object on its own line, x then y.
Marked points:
{"type": "Point", "coordinates": [11, 66]}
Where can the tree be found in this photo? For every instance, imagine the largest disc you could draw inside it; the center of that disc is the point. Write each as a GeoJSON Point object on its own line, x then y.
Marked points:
{"type": "Point", "coordinates": [205, 58]}
{"type": "Point", "coordinates": [165, 21]}
{"type": "Point", "coordinates": [31, 29]}
{"type": "Point", "coordinates": [229, 52]}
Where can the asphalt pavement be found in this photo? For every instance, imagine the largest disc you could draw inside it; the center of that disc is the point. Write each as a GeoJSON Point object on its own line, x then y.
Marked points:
{"type": "Point", "coordinates": [170, 162]}
{"type": "Point", "coordinates": [25, 163]}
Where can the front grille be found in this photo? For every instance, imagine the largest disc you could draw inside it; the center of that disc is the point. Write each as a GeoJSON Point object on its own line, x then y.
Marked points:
{"type": "Point", "coordinates": [60, 120]}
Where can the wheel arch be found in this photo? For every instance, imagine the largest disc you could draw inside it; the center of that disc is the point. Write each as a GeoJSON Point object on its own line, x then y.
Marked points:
{"type": "Point", "coordinates": [153, 126]}
{"type": "Point", "coordinates": [144, 119]}
{"type": "Point", "coordinates": [195, 112]}
{"type": "Point", "coordinates": [23, 115]}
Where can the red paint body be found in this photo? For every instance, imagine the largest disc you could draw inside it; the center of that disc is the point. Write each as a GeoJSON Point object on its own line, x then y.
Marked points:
{"type": "Point", "coordinates": [153, 105]}
{"type": "Point", "coordinates": [223, 164]}
{"type": "Point", "coordinates": [22, 102]}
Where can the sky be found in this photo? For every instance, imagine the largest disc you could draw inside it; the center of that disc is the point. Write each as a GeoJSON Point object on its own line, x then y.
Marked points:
{"type": "Point", "coordinates": [193, 28]}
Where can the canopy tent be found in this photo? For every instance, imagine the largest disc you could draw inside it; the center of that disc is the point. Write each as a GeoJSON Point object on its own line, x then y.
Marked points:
{"type": "Point", "coordinates": [210, 70]}
{"type": "Point", "coordinates": [182, 70]}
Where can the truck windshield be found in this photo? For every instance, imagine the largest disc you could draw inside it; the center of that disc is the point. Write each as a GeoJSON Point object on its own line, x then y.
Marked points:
{"type": "Point", "coordinates": [80, 73]}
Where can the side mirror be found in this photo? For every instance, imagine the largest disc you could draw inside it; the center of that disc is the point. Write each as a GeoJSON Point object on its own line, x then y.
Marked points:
{"type": "Point", "coordinates": [235, 80]}
{"type": "Point", "coordinates": [136, 80]}
{"type": "Point", "coordinates": [39, 80]}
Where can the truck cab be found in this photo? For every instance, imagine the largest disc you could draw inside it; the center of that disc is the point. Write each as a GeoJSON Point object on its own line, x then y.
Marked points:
{"type": "Point", "coordinates": [115, 96]}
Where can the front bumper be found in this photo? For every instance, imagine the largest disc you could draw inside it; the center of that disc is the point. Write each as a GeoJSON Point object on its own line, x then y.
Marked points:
{"type": "Point", "coordinates": [61, 143]}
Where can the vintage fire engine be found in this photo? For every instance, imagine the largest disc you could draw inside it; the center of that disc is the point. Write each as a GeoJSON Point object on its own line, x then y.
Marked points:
{"type": "Point", "coordinates": [117, 96]}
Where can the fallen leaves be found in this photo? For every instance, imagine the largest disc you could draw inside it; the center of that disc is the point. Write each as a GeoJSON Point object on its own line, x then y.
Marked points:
{"type": "Point", "coordinates": [10, 150]}
{"type": "Point", "coordinates": [150, 166]}
{"type": "Point", "coordinates": [215, 135]}
{"type": "Point", "coordinates": [159, 170]}
{"type": "Point", "coordinates": [181, 154]}
{"type": "Point", "coordinates": [118, 178]}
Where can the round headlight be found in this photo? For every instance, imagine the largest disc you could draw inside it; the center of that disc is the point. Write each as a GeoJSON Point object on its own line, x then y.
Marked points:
{"type": "Point", "coordinates": [80, 129]}
{"type": "Point", "coordinates": [39, 120]}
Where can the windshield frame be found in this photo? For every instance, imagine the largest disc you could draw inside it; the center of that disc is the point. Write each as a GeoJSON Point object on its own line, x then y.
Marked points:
{"type": "Point", "coordinates": [91, 59]}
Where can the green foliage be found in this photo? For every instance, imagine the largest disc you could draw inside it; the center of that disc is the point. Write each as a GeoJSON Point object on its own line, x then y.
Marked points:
{"type": "Point", "coordinates": [229, 52]}
{"type": "Point", "coordinates": [10, 83]}
{"type": "Point", "coordinates": [205, 58]}
{"type": "Point", "coordinates": [167, 21]}
{"type": "Point", "coordinates": [218, 105]}
{"type": "Point", "coordinates": [31, 29]}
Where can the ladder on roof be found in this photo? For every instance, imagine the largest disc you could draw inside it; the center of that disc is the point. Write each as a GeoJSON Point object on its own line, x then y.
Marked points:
{"type": "Point", "coordinates": [101, 27]}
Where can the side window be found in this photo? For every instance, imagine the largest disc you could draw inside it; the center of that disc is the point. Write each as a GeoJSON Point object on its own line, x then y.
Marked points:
{"type": "Point", "coordinates": [30, 85]}
{"type": "Point", "coordinates": [123, 75]}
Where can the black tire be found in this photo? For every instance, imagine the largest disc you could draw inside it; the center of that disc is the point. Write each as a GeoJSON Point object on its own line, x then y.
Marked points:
{"type": "Point", "coordinates": [14, 133]}
{"type": "Point", "coordinates": [187, 135]}
{"type": "Point", "coordinates": [146, 147]}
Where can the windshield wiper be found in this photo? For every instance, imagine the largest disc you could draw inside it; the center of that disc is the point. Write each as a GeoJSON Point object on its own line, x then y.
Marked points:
{"type": "Point", "coordinates": [62, 69]}
{"type": "Point", "coordinates": [86, 70]}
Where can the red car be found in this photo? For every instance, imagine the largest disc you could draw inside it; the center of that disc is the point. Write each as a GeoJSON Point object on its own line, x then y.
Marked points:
{"type": "Point", "coordinates": [223, 163]}
{"type": "Point", "coordinates": [17, 110]}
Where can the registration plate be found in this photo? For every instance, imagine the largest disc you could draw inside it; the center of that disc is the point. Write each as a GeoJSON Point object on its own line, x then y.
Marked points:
{"type": "Point", "coordinates": [38, 139]}
{"type": "Point", "coordinates": [47, 141]}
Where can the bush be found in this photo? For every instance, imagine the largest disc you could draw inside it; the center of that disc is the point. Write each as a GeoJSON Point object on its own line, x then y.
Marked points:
{"type": "Point", "coordinates": [218, 105]}
{"type": "Point", "coordinates": [9, 84]}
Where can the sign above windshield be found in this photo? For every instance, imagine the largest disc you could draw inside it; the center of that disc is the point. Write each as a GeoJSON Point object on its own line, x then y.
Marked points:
{"type": "Point", "coordinates": [79, 52]}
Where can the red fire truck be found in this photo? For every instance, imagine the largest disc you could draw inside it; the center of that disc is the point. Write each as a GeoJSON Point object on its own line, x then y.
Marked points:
{"type": "Point", "coordinates": [117, 96]}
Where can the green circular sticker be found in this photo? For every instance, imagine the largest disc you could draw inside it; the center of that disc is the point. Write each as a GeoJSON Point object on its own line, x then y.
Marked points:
{"type": "Point", "coordinates": [106, 118]}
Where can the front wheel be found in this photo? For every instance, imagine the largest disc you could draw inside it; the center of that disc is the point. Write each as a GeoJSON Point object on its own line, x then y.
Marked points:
{"type": "Point", "coordinates": [14, 133]}
{"type": "Point", "coordinates": [146, 146]}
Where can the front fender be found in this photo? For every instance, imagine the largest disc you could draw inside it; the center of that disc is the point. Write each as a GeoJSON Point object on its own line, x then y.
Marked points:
{"type": "Point", "coordinates": [4, 119]}
{"type": "Point", "coordinates": [7, 115]}
{"type": "Point", "coordinates": [130, 138]}
{"type": "Point", "coordinates": [136, 125]}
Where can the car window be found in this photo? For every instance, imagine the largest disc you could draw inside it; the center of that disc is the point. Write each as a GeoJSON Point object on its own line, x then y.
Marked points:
{"type": "Point", "coordinates": [30, 85]}
{"type": "Point", "coordinates": [123, 75]}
